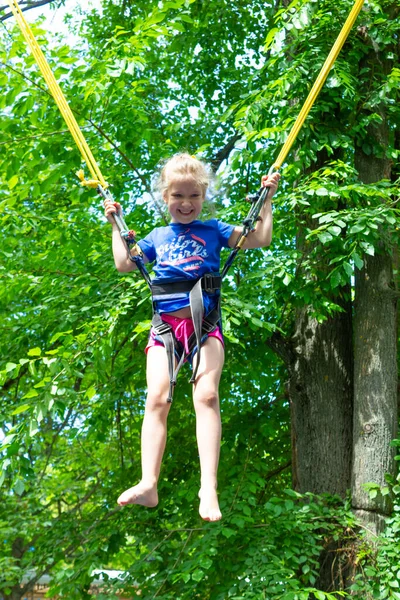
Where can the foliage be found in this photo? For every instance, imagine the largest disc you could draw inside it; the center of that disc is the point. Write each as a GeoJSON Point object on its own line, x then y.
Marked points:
{"type": "Point", "coordinates": [270, 550]}
{"type": "Point", "coordinates": [379, 576]}
{"type": "Point", "coordinates": [72, 330]}
{"type": "Point", "coordinates": [330, 205]}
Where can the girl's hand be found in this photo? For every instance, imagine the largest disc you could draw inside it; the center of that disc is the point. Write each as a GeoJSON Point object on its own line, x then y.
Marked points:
{"type": "Point", "coordinates": [110, 209]}
{"type": "Point", "coordinates": [271, 181]}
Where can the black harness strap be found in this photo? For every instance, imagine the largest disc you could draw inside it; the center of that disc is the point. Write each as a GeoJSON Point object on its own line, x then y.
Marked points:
{"type": "Point", "coordinates": [164, 331]}
{"type": "Point", "coordinates": [210, 282]}
{"type": "Point", "coordinates": [197, 310]}
{"type": "Point", "coordinates": [209, 323]}
{"type": "Point", "coordinates": [202, 325]}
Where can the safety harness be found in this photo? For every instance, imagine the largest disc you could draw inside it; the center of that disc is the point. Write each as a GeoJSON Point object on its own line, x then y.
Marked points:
{"type": "Point", "coordinates": [203, 324]}
{"type": "Point", "coordinates": [210, 283]}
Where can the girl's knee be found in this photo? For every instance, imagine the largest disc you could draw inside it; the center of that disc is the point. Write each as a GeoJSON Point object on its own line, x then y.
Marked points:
{"type": "Point", "coordinates": [206, 398]}
{"type": "Point", "coordinates": [157, 402]}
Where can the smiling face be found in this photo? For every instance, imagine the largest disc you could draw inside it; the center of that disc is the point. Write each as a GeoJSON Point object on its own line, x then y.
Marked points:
{"type": "Point", "coordinates": [184, 199]}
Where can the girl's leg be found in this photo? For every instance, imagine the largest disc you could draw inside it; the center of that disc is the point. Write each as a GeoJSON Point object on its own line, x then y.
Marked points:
{"type": "Point", "coordinates": [154, 430]}
{"type": "Point", "coordinates": [208, 425]}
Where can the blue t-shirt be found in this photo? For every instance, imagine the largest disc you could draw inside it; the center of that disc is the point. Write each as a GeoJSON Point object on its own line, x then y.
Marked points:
{"type": "Point", "coordinates": [185, 252]}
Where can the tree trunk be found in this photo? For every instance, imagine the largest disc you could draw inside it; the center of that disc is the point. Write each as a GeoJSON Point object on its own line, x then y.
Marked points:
{"type": "Point", "coordinates": [375, 361]}
{"type": "Point", "coordinates": [320, 390]}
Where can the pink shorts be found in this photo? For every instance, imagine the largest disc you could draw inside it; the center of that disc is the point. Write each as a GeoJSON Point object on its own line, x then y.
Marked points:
{"type": "Point", "coordinates": [183, 329]}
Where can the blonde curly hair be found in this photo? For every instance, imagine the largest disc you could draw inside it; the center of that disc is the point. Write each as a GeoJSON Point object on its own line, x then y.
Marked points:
{"type": "Point", "coordinates": [183, 165]}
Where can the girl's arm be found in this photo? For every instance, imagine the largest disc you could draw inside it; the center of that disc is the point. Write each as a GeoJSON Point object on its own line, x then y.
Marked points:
{"type": "Point", "coordinates": [121, 260]}
{"type": "Point", "coordinates": [262, 236]}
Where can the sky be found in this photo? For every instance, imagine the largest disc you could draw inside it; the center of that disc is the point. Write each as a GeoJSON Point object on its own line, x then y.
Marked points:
{"type": "Point", "coordinates": [55, 17]}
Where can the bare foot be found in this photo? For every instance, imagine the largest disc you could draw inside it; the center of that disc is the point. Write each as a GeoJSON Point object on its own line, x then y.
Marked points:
{"type": "Point", "coordinates": [209, 507]}
{"type": "Point", "coordinates": [143, 494]}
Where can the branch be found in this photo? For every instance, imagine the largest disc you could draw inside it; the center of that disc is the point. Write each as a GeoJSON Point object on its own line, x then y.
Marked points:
{"type": "Point", "coordinates": [72, 546]}
{"type": "Point", "coordinates": [35, 137]}
{"type": "Point", "coordinates": [273, 474]}
{"type": "Point", "coordinates": [282, 347]}
{"type": "Point", "coordinates": [49, 449]}
{"type": "Point", "coordinates": [174, 565]}
{"type": "Point", "coordinates": [25, 8]}
{"type": "Point", "coordinates": [14, 381]}
{"type": "Point", "coordinates": [224, 152]}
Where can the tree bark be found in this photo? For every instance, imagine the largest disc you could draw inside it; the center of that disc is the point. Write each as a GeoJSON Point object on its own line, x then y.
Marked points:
{"type": "Point", "coordinates": [320, 390]}
{"type": "Point", "coordinates": [375, 359]}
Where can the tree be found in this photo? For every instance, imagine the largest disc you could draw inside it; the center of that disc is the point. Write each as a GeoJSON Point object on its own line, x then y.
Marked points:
{"type": "Point", "coordinates": [353, 122]}
{"type": "Point", "coordinates": [72, 377]}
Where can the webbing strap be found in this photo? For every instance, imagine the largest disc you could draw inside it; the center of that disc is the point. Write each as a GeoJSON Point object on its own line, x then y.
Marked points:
{"type": "Point", "coordinates": [164, 330]}
{"type": "Point", "coordinates": [202, 326]}
{"type": "Point", "coordinates": [319, 82]}
{"type": "Point", "coordinates": [210, 283]}
{"type": "Point", "coordinates": [197, 310]}
{"type": "Point", "coordinates": [59, 97]}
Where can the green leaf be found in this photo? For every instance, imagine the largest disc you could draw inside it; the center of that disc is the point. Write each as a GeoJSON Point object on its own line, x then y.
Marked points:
{"type": "Point", "coordinates": [334, 230]}
{"type": "Point", "coordinates": [270, 38]}
{"type": "Point", "coordinates": [90, 392]}
{"type": "Point", "coordinates": [227, 532]}
{"type": "Point", "coordinates": [58, 335]}
{"type": "Point", "coordinates": [357, 228]}
{"type": "Point", "coordinates": [8, 439]}
{"type": "Point", "coordinates": [348, 269]}
{"type": "Point", "coordinates": [21, 409]}
{"type": "Point", "coordinates": [13, 182]}
{"type": "Point", "coordinates": [368, 248]}
{"type": "Point", "coordinates": [31, 394]}
{"type": "Point", "coordinates": [198, 575]}
{"type": "Point", "coordinates": [357, 260]}
{"type": "Point", "coordinates": [33, 428]}
{"type": "Point", "coordinates": [205, 562]}
{"type": "Point", "coordinates": [287, 279]}
{"type": "Point", "coordinates": [19, 487]}
{"type": "Point", "coordinates": [246, 510]}
{"type": "Point", "coordinates": [34, 352]}
{"type": "Point", "coordinates": [325, 237]}
{"type": "Point", "coordinates": [335, 278]}
{"type": "Point", "coordinates": [179, 26]}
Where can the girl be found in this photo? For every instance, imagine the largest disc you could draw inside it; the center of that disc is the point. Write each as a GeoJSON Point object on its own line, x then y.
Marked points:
{"type": "Point", "coordinates": [188, 249]}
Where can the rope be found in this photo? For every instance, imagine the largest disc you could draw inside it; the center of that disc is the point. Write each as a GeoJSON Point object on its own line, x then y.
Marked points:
{"type": "Point", "coordinates": [60, 101]}
{"type": "Point", "coordinates": [80, 139]}
{"type": "Point", "coordinates": [319, 82]}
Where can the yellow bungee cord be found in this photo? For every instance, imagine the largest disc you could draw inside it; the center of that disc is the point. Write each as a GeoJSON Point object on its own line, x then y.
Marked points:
{"type": "Point", "coordinates": [97, 177]}
{"type": "Point", "coordinates": [319, 82]}
{"type": "Point", "coordinates": [97, 182]}
{"type": "Point", "coordinates": [250, 222]}
{"type": "Point", "coordinates": [56, 92]}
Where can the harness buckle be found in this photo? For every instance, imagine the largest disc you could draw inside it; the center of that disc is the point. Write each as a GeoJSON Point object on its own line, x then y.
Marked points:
{"type": "Point", "coordinates": [208, 326]}
{"type": "Point", "coordinates": [210, 283]}
{"type": "Point", "coordinates": [162, 328]}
